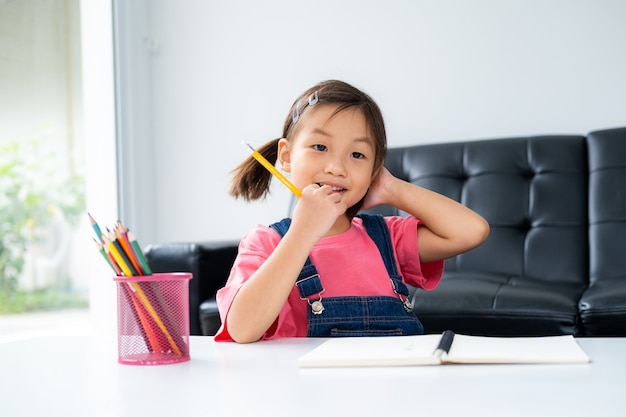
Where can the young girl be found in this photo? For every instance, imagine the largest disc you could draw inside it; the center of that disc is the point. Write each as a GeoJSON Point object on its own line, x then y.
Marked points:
{"type": "Point", "coordinates": [325, 271]}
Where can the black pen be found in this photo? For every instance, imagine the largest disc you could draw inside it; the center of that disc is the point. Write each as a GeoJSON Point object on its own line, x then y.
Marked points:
{"type": "Point", "coordinates": [444, 343]}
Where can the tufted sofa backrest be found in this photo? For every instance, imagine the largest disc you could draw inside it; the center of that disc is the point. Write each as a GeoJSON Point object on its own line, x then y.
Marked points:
{"type": "Point", "coordinates": [532, 191]}
{"type": "Point", "coordinates": [607, 205]}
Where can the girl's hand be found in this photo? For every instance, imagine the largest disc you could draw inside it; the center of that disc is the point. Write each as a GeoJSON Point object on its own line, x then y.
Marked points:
{"type": "Point", "coordinates": [448, 227]}
{"type": "Point", "coordinates": [380, 190]}
{"type": "Point", "coordinates": [317, 211]}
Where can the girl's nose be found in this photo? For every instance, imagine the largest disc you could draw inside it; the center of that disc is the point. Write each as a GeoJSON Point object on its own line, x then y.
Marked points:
{"type": "Point", "coordinates": [335, 166]}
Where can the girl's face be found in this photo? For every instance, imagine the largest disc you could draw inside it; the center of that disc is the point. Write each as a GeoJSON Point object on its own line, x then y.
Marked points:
{"type": "Point", "coordinates": [332, 149]}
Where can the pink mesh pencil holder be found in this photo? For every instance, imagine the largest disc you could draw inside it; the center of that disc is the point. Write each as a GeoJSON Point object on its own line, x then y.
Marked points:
{"type": "Point", "coordinates": [153, 318]}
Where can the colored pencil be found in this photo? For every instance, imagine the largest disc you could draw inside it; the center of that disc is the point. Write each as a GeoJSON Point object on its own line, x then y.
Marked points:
{"type": "Point", "coordinates": [148, 330]}
{"type": "Point", "coordinates": [140, 256]}
{"type": "Point", "coordinates": [118, 257]}
{"type": "Point", "coordinates": [122, 235]}
{"type": "Point", "coordinates": [146, 303]}
{"type": "Point", "coordinates": [95, 226]}
{"type": "Point", "coordinates": [105, 256]}
{"type": "Point", "coordinates": [124, 247]}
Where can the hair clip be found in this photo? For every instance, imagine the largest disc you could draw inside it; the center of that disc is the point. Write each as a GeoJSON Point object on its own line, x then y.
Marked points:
{"type": "Point", "coordinates": [296, 113]}
{"type": "Point", "coordinates": [314, 98]}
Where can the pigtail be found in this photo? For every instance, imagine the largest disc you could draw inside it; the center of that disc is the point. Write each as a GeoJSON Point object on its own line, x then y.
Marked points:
{"type": "Point", "coordinates": [251, 181]}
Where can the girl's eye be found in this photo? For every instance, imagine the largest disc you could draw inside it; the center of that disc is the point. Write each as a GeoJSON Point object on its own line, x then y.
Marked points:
{"type": "Point", "coordinates": [358, 155]}
{"type": "Point", "coordinates": [319, 147]}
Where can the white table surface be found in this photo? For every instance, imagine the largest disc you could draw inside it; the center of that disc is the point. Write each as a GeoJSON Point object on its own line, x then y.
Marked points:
{"type": "Point", "coordinates": [80, 376]}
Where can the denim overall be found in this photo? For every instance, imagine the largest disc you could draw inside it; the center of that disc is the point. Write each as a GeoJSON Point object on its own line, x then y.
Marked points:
{"type": "Point", "coordinates": [362, 315]}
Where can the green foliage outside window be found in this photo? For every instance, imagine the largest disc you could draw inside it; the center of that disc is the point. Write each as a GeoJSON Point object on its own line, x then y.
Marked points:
{"type": "Point", "coordinates": [32, 188]}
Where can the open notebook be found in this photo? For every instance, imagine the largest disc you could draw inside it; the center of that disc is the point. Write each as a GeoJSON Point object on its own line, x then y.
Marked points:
{"type": "Point", "coordinates": [447, 348]}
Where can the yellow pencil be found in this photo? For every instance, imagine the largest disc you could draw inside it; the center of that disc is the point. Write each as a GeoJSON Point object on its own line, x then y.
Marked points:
{"type": "Point", "coordinates": [271, 168]}
{"type": "Point", "coordinates": [155, 316]}
{"type": "Point", "coordinates": [118, 258]}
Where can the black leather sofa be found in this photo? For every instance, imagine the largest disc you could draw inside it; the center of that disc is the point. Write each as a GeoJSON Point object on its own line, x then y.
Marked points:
{"type": "Point", "coordinates": [554, 263]}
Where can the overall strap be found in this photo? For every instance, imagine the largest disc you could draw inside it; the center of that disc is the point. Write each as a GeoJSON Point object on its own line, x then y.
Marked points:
{"type": "Point", "coordinates": [379, 232]}
{"type": "Point", "coordinates": [282, 226]}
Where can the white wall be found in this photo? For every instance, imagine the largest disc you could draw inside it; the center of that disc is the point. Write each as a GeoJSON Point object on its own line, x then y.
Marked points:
{"type": "Point", "coordinates": [212, 73]}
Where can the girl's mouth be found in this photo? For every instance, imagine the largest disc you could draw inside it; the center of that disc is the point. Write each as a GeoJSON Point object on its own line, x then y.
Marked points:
{"type": "Point", "coordinates": [335, 188]}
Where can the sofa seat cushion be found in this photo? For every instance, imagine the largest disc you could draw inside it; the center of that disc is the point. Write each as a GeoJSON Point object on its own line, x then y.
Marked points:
{"type": "Point", "coordinates": [210, 320]}
{"type": "Point", "coordinates": [498, 305]}
{"type": "Point", "coordinates": [603, 308]}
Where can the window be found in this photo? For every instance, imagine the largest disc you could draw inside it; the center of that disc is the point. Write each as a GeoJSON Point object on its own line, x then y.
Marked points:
{"type": "Point", "coordinates": [42, 157]}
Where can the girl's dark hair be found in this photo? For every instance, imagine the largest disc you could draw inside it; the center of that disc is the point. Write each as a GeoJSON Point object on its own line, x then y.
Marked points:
{"type": "Point", "coordinates": [251, 180]}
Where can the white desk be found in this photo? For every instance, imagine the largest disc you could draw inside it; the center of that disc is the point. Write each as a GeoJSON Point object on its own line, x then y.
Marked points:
{"type": "Point", "coordinates": [80, 376]}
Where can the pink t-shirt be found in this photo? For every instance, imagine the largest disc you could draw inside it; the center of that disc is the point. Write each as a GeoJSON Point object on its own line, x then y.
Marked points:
{"type": "Point", "coordinates": [351, 256]}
